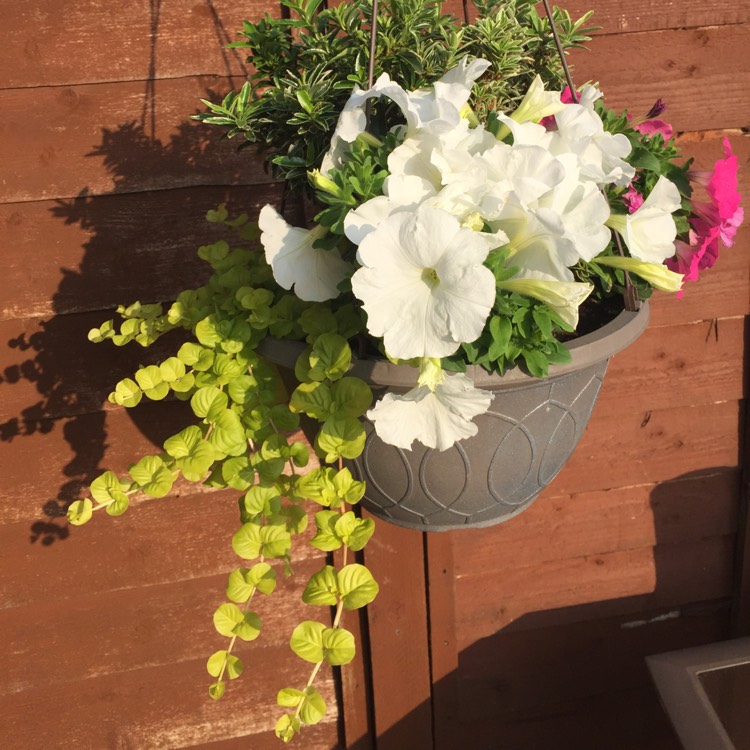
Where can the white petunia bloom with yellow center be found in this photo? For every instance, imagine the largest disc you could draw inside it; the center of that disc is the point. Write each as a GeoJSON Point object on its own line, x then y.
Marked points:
{"type": "Point", "coordinates": [437, 413]}
{"type": "Point", "coordinates": [422, 282]}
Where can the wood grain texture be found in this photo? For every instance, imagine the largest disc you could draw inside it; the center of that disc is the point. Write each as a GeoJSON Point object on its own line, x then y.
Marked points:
{"type": "Point", "coordinates": [399, 639]}
{"type": "Point", "coordinates": [591, 523]}
{"type": "Point", "coordinates": [89, 139]}
{"type": "Point", "coordinates": [615, 18]}
{"type": "Point", "coordinates": [630, 582]}
{"type": "Point", "coordinates": [47, 40]}
{"type": "Point", "coordinates": [94, 253]}
{"type": "Point", "coordinates": [681, 66]}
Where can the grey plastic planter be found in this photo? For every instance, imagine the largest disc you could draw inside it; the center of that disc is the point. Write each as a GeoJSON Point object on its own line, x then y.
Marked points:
{"type": "Point", "coordinates": [523, 441]}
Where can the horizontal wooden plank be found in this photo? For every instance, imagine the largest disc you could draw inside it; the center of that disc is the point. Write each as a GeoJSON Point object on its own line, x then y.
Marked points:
{"type": "Point", "coordinates": [93, 633]}
{"type": "Point", "coordinates": [94, 253]}
{"type": "Point", "coordinates": [524, 672]}
{"type": "Point", "coordinates": [48, 462]}
{"type": "Point", "coordinates": [645, 445]}
{"type": "Point", "coordinates": [164, 707]}
{"type": "Point", "coordinates": [156, 542]}
{"type": "Point", "coordinates": [622, 720]}
{"type": "Point", "coordinates": [63, 142]}
{"type": "Point", "coordinates": [685, 68]}
{"type": "Point", "coordinates": [614, 17]}
{"type": "Point", "coordinates": [625, 583]}
{"type": "Point", "coordinates": [49, 39]}
{"type": "Point", "coordinates": [559, 528]}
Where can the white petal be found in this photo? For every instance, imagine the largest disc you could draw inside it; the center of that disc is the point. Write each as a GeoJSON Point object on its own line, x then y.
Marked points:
{"type": "Point", "coordinates": [314, 273]}
{"type": "Point", "coordinates": [436, 419]}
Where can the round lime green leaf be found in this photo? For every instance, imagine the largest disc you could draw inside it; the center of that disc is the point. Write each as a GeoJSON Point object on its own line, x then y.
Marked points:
{"type": "Point", "coordinates": [126, 393]}
{"type": "Point", "coordinates": [103, 487]}
{"type": "Point", "coordinates": [80, 512]}
{"type": "Point", "coordinates": [209, 402]}
{"type": "Point", "coordinates": [217, 690]}
{"type": "Point", "coordinates": [302, 366]}
{"type": "Point", "coordinates": [353, 531]}
{"type": "Point", "coordinates": [246, 542]}
{"type": "Point", "coordinates": [340, 438]}
{"type": "Point", "coordinates": [300, 454]}
{"type": "Point", "coordinates": [352, 397]}
{"type": "Point", "coordinates": [184, 442]}
{"type": "Point", "coordinates": [338, 646]}
{"type": "Point", "coordinates": [118, 505]}
{"type": "Point", "coordinates": [322, 588]}
{"type": "Point", "coordinates": [152, 383]}
{"type": "Point", "coordinates": [326, 539]}
{"type": "Point", "coordinates": [313, 399]}
{"type": "Point", "coordinates": [330, 358]}
{"type": "Point", "coordinates": [296, 518]}
{"type": "Point", "coordinates": [263, 577]}
{"type": "Point", "coordinates": [206, 331]}
{"type": "Point", "coordinates": [215, 663]}
{"type": "Point", "coordinates": [276, 541]}
{"type": "Point", "coordinates": [289, 697]}
{"type": "Point", "coordinates": [195, 356]}
{"type": "Point", "coordinates": [243, 389]}
{"type": "Point", "coordinates": [228, 435]}
{"type": "Point", "coordinates": [152, 475]}
{"type": "Point", "coordinates": [183, 384]}
{"type": "Point", "coordinates": [314, 707]}
{"type": "Point", "coordinates": [243, 581]}
{"type": "Point", "coordinates": [356, 586]}
{"type": "Point", "coordinates": [226, 619]}
{"type": "Point", "coordinates": [238, 473]}
{"type": "Point", "coordinates": [286, 727]}
{"type": "Point", "coordinates": [257, 499]}
{"type": "Point", "coordinates": [348, 489]}
{"type": "Point", "coordinates": [283, 419]}
{"type": "Point", "coordinates": [317, 485]}
{"type": "Point", "coordinates": [172, 369]}
{"type": "Point", "coordinates": [307, 641]}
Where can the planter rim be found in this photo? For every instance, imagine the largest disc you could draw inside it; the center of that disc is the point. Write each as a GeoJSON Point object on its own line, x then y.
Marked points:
{"type": "Point", "coordinates": [594, 347]}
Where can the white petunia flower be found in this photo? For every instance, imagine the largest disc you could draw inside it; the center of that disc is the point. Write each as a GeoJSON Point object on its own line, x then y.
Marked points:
{"type": "Point", "coordinates": [601, 154]}
{"type": "Point", "coordinates": [657, 274]}
{"type": "Point", "coordinates": [436, 417]}
{"type": "Point", "coordinates": [650, 231]}
{"type": "Point", "coordinates": [315, 273]}
{"type": "Point", "coordinates": [422, 283]}
{"type": "Point", "coordinates": [440, 106]}
{"type": "Point", "coordinates": [537, 103]}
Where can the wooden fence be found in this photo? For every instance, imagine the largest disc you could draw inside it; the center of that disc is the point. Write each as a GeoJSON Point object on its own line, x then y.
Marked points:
{"type": "Point", "coordinates": [527, 635]}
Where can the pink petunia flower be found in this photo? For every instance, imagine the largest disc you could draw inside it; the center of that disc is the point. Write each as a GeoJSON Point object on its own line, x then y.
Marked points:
{"type": "Point", "coordinates": [549, 122]}
{"type": "Point", "coordinates": [632, 199]}
{"type": "Point", "coordinates": [699, 253]}
{"type": "Point", "coordinates": [652, 127]}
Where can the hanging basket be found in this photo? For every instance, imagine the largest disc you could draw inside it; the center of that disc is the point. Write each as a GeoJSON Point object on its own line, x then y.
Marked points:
{"type": "Point", "coordinates": [526, 437]}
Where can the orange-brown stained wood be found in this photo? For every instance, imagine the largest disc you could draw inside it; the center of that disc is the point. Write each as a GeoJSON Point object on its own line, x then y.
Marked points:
{"type": "Point", "coordinates": [94, 253]}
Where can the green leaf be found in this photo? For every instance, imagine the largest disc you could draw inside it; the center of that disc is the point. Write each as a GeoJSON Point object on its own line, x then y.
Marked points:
{"type": "Point", "coordinates": [193, 454]}
{"type": "Point", "coordinates": [251, 540]}
{"type": "Point", "coordinates": [126, 393]}
{"type": "Point", "coordinates": [354, 532]}
{"type": "Point", "coordinates": [106, 487]}
{"type": "Point", "coordinates": [195, 356]}
{"type": "Point", "coordinates": [153, 385]}
{"type": "Point", "coordinates": [80, 512]}
{"type": "Point", "coordinates": [230, 621]}
{"type": "Point", "coordinates": [330, 357]}
{"type": "Point", "coordinates": [286, 727]}
{"type": "Point", "coordinates": [326, 538]}
{"type": "Point", "coordinates": [216, 662]}
{"type": "Point", "coordinates": [340, 438]}
{"type": "Point", "coordinates": [243, 581]}
{"type": "Point", "coordinates": [351, 397]}
{"type": "Point", "coordinates": [300, 454]}
{"type": "Point", "coordinates": [257, 499]}
{"type": "Point", "coordinates": [356, 586]}
{"type": "Point", "coordinates": [322, 587]}
{"type": "Point", "coordinates": [313, 399]}
{"type": "Point", "coordinates": [289, 697]}
{"type": "Point", "coordinates": [217, 689]}
{"type": "Point", "coordinates": [117, 506]}
{"type": "Point", "coordinates": [348, 489]}
{"type": "Point", "coordinates": [307, 641]}
{"type": "Point", "coordinates": [314, 707]}
{"type": "Point", "coordinates": [153, 476]}
{"type": "Point", "coordinates": [209, 403]}
{"type": "Point", "coordinates": [228, 435]}
{"type": "Point", "coordinates": [238, 473]}
{"type": "Point", "coordinates": [338, 646]}
{"type": "Point", "coordinates": [318, 485]}
{"type": "Point", "coordinates": [172, 369]}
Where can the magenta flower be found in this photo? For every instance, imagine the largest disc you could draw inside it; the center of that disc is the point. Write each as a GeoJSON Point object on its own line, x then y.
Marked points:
{"type": "Point", "coordinates": [652, 127]}
{"type": "Point", "coordinates": [700, 252]}
{"type": "Point", "coordinates": [724, 210]}
{"type": "Point", "coordinates": [632, 199]}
